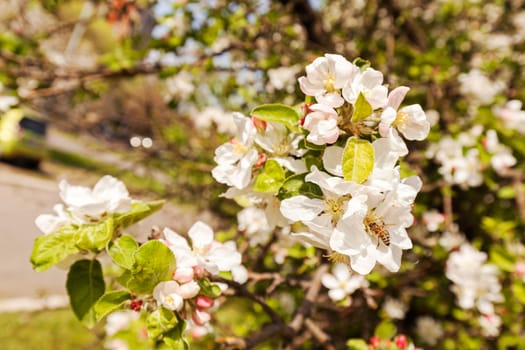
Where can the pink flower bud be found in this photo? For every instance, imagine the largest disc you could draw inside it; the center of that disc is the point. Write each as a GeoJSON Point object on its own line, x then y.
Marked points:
{"type": "Point", "coordinates": [200, 317]}
{"type": "Point", "coordinates": [401, 341]}
{"type": "Point", "coordinates": [183, 274]}
{"type": "Point", "coordinates": [259, 124]}
{"type": "Point", "coordinates": [375, 341]}
{"type": "Point", "coordinates": [519, 269]}
{"type": "Point", "coordinates": [198, 272]}
{"type": "Point", "coordinates": [204, 302]}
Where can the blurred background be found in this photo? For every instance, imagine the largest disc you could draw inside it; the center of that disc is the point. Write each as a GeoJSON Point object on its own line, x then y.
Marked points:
{"type": "Point", "coordinates": [144, 90]}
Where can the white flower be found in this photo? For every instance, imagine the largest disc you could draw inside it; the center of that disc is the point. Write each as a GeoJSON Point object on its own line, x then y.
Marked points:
{"type": "Point", "coordinates": [475, 283]}
{"type": "Point", "coordinates": [429, 330]}
{"type": "Point", "coordinates": [7, 102]}
{"type": "Point", "coordinates": [180, 86]}
{"type": "Point", "coordinates": [320, 215]}
{"type": "Point", "coordinates": [205, 252]}
{"type": "Point", "coordinates": [369, 83]}
{"type": "Point", "coordinates": [490, 324]}
{"type": "Point", "coordinates": [479, 87]}
{"type": "Point", "coordinates": [325, 77]}
{"type": "Point", "coordinates": [108, 196]}
{"type": "Point", "coordinates": [119, 320]}
{"type": "Point", "coordinates": [433, 219]}
{"type": "Point", "coordinates": [253, 223]}
{"type": "Point", "coordinates": [321, 122]}
{"type": "Point", "coordinates": [283, 77]}
{"type": "Point", "coordinates": [395, 308]}
{"type": "Point", "coordinates": [410, 121]}
{"type": "Point", "coordinates": [511, 115]}
{"type": "Point", "coordinates": [236, 158]}
{"type": "Point", "coordinates": [48, 223]}
{"type": "Point", "coordinates": [168, 294]}
{"type": "Point", "coordinates": [341, 283]}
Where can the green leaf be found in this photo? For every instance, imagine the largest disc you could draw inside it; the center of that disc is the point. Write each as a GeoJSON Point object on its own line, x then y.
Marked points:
{"type": "Point", "coordinates": [362, 109]}
{"type": "Point", "coordinates": [53, 248]}
{"type": "Point", "coordinates": [296, 185]}
{"type": "Point", "coordinates": [362, 63]}
{"type": "Point", "coordinates": [357, 344]}
{"type": "Point", "coordinates": [174, 339]}
{"type": "Point", "coordinates": [94, 237]}
{"type": "Point", "coordinates": [358, 160]}
{"type": "Point", "coordinates": [385, 330]}
{"type": "Point", "coordinates": [85, 285]}
{"type": "Point", "coordinates": [110, 302]}
{"type": "Point", "coordinates": [122, 251]}
{"type": "Point", "coordinates": [278, 113]}
{"type": "Point", "coordinates": [270, 179]}
{"type": "Point", "coordinates": [209, 289]}
{"type": "Point", "coordinates": [518, 289]}
{"type": "Point", "coordinates": [502, 258]}
{"type": "Point", "coordinates": [154, 263]}
{"type": "Point", "coordinates": [139, 211]}
{"type": "Point", "coordinates": [161, 321]}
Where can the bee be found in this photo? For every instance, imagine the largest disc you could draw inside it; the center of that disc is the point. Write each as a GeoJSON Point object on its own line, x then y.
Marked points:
{"type": "Point", "coordinates": [378, 228]}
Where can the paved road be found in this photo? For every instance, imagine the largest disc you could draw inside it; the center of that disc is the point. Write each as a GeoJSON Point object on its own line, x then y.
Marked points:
{"type": "Point", "coordinates": [23, 196]}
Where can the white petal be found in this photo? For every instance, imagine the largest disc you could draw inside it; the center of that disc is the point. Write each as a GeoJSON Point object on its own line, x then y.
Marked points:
{"type": "Point", "coordinates": [329, 281]}
{"type": "Point", "coordinates": [201, 235]}
{"type": "Point", "coordinates": [301, 208]}
{"type": "Point", "coordinates": [332, 160]}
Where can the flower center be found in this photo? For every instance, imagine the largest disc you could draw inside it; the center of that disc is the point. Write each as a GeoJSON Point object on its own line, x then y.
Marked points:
{"type": "Point", "coordinates": [401, 119]}
{"type": "Point", "coordinates": [168, 300]}
{"type": "Point", "coordinates": [336, 208]}
{"type": "Point", "coordinates": [339, 258]}
{"type": "Point", "coordinates": [238, 147]}
{"type": "Point", "coordinates": [329, 82]}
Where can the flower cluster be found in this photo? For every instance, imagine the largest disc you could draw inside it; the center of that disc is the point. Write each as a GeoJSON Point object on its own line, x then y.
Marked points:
{"type": "Point", "coordinates": [461, 160]}
{"type": "Point", "coordinates": [332, 167]}
{"type": "Point", "coordinates": [475, 284]}
{"type": "Point", "coordinates": [84, 205]}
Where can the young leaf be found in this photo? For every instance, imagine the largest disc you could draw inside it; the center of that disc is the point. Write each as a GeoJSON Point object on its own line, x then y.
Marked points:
{"type": "Point", "coordinates": [270, 179]}
{"type": "Point", "coordinates": [356, 344]}
{"type": "Point", "coordinates": [296, 185]}
{"type": "Point", "coordinates": [85, 285]}
{"type": "Point", "coordinates": [154, 263]}
{"type": "Point", "coordinates": [358, 159]}
{"type": "Point", "coordinates": [53, 248]}
{"type": "Point", "coordinates": [139, 211]}
{"type": "Point", "coordinates": [122, 251]}
{"type": "Point", "coordinates": [94, 237]}
{"type": "Point", "coordinates": [174, 339]}
{"type": "Point", "coordinates": [161, 321]}
{"type": "Point", "coordinates": [110, 302]}
{"type": "Point", "coordinates": [362, 109]}
{"type": "Point", "coordinates": [278, 113]}
{"type": "Point", "coordinates": [385, 330]}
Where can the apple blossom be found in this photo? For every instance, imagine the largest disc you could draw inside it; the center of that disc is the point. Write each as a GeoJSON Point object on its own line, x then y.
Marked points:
{"type": "Point", "coordinates": [168, 295]}
{"type": "Point", "coordinates": [369, 83]}
{"type": "Point", "coordinates": [109, 195]}
{"type": "Point", "coordinates": [321, 122]}
{"type": "Point", "coordinates": [341, 282]}
{"type": "Point", "coordinates": [236, 158]}
{"type": "Point", "coordinates": [325, 77]}
{"type": "Point", "coordinates": [205, 252]}
{"type": "Point", "coordinates": [475, 283]}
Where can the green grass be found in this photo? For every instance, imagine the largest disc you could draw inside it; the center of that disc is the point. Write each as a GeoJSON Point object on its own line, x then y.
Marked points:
{"type": "Point", "coordinates": [46, 330]}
